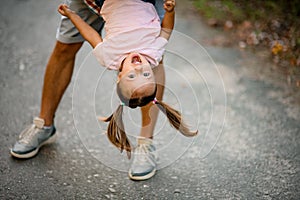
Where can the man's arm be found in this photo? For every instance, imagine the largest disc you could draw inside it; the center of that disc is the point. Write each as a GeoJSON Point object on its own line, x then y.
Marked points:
{"type": "Point", "coordinates": [87, 32]}
{"type": "Point", "coordinates": [167, 24]}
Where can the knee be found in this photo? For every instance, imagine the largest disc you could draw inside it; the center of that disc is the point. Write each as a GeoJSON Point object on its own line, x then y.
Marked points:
{"type": "Point", "coordinates": [66, 51]}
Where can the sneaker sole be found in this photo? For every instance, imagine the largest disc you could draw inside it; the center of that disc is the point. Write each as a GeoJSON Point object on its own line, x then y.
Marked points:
{"type": "Point", "coordinates": [34, 152]}
{"type": "Point", "coordinates": [142, 178]}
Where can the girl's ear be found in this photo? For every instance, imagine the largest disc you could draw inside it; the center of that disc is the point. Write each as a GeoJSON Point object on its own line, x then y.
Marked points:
{"type": "Point", "coordinates": [119, 77]}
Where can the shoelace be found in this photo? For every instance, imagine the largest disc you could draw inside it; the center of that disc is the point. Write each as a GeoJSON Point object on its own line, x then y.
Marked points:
{"type": "Point", "coordinates": [27, 135]}
{"type": "Point", "coordinates": [142, 154]}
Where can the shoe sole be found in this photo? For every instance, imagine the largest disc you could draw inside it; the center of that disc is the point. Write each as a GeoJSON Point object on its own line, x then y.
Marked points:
{"type": "Point", "coordinates": [142, 178]}
{"type": "Point", "coordinates": [52, 139]}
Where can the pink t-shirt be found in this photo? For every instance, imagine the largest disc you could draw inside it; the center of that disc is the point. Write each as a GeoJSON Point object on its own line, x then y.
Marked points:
{"type": "Point", "coordinates": [130, 26]}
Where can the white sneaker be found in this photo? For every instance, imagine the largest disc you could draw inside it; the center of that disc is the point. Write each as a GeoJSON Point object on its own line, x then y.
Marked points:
{"type": "Point", "coordinates": [32, 138]}
{"type": "Point", "coordinates": [144, 164]}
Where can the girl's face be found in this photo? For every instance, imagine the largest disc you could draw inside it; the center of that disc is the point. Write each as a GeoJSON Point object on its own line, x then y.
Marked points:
{"type": "Point", "coordinates": [136, 77]}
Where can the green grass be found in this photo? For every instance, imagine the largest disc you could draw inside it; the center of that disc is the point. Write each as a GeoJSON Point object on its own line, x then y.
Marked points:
{"type": "Point", "coordinates": [205, 9]}
{"type": "Point", "coordinates": [219, 10]}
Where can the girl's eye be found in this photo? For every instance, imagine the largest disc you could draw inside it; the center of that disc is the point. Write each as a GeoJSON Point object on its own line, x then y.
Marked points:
{"type": "Point", "coordinates": [131, 76]}
{"type": "Point", "coordinates": [146, 74]}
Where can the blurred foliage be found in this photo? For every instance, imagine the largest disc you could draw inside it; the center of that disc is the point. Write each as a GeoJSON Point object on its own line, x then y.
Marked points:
{"type": "Point", "coordinates": [240, 10]}
{"type": "Point", "coordinates": [272, 24]}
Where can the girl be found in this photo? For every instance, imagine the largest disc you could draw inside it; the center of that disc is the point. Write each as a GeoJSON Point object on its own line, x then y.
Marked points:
{"type": "Point", "coordinates": [134, 45]}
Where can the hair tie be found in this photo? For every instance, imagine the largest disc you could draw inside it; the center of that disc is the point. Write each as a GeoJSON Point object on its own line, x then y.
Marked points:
{"type": "Point", "coordinates": [154, 100]}
{"type": "Point", "coordinates": [122, 103]}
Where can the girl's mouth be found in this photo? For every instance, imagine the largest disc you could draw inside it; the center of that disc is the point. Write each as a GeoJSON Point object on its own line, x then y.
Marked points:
{"type": "Point", "coordinates": [135, 59]}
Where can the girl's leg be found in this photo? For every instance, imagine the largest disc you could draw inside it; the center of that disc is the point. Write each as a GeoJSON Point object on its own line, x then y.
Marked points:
{"type": "Point", "coordinates": [150, 112]}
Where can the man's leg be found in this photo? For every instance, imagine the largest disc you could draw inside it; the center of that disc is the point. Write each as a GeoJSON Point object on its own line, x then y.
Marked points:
{"type": "Point", "coordinates": [144, 161]}
{"type": "Point", "coordinates": [61, 63]}
{"type": "Point", "coordinates": [150, 111]}
{"type": "Point", "coordinates": [57, 77]}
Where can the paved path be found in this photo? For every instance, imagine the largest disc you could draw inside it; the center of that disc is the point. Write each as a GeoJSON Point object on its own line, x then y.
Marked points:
{"type": "Point", "coordinates": [248, 118]}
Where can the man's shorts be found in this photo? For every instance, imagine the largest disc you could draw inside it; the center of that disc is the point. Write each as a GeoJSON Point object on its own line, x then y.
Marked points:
{"type": "Point", "coordinates": [68, 33]}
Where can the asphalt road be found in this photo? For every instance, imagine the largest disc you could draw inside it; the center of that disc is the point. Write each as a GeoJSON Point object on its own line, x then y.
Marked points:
{"type": "Point", "coordinates": [248, 118]}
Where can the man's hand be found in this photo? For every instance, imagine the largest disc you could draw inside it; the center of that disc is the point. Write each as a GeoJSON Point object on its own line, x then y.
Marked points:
{"type": "Point", "coordinates": [169, 5]}
{"type": "Point", "coordinates": [64, 10]}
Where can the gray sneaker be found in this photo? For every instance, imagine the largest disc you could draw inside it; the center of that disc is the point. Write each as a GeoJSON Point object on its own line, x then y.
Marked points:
{"type": "Point", "coordinates": [143, 165]}
{"type": "Point", "coordinates": [32, 138]}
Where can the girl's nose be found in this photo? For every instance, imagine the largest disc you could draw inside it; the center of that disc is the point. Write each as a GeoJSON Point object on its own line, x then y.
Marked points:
{"type": "Point", "coordinates": [138, 67]}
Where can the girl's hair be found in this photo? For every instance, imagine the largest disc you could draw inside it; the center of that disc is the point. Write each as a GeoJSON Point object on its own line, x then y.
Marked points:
{"type": "Point", "coordinates": [116, 132]}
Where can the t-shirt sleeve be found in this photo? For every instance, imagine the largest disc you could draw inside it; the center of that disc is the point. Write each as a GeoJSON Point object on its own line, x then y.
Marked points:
{"type": "Point", "coordinates": [160, 46]}
{"type": "Point", "coordinates": [97, 51]}
{"type": "Point", "coordinates": [106, 55]}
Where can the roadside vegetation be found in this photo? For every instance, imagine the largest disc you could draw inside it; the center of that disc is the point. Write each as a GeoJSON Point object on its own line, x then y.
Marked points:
{"type": "Point", "coordinates": [270, 25]}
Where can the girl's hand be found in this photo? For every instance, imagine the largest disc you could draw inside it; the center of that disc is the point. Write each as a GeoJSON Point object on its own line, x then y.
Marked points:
{"type": "Point", "coordinates": [64, 10]}
{"type": "Point", "coordinates": [169, 5]}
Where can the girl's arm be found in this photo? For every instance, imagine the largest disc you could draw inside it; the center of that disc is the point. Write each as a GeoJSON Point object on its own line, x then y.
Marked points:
{"type": "Point", "coordinates": [87, 32]}
{"type": "Point", "coordinates": [167, 24]}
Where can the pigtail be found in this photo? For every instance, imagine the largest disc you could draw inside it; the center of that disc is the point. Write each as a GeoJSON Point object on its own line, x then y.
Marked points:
{"type": "Point", "coordinates": [175, 118]}
{"type": "Point", "coordinates": [116, 132]}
